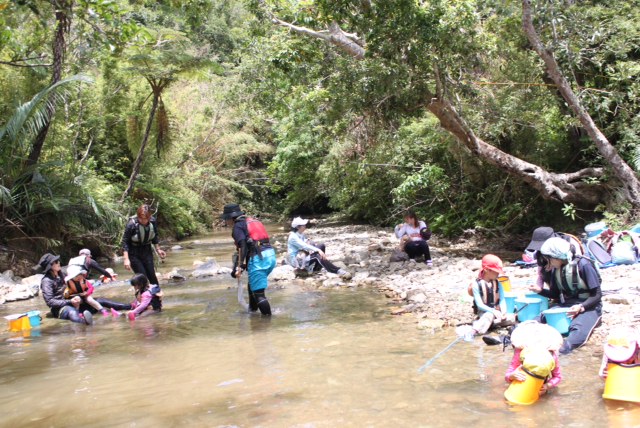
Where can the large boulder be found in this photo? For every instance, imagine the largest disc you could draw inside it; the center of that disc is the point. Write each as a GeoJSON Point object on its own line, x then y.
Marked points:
{"type": "Point", "coordinates": [283, 273]}
{"type": "Point", "coordinates": [208, 268]}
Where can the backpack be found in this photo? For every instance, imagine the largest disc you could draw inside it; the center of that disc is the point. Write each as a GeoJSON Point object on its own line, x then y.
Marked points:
{"type": "Point", "coordinates": [596, 251]}
{"type": "Point", "coordinates": [257, 231]}
{"type": "Point", "coordinates": [425, 233]}
{"type": "Point", "coordinates": [573, 240]}
{"type": "Point", "coordinates": [625, 248]}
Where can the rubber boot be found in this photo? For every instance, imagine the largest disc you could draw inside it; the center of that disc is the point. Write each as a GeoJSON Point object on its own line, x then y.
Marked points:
{"type": "Point", "coordinates": [264, 306]}
{"type": "Point", "coordinates": [88, 317]}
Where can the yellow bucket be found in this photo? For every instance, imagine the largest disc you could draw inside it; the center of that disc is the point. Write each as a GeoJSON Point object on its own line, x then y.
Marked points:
{"type": "Point", "coordinates": [505, 282]}
{"type": "Point", "coordinates": [19, 324]}
{"type": "Point", "coordinates": [623, 382]}
{"type": "Point", "coordinates": [524, 393]}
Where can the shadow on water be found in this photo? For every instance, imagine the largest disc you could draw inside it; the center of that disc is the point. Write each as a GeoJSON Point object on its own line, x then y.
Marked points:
{"type": "Point", "coordinates": [326, 358]}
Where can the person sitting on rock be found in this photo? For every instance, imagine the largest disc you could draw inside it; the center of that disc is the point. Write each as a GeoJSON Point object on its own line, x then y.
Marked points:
{"type": "Point", "coordinates": [575, 284]}
{"type": "Point", "coordinates": [413, 235]}
{"type": "Point", "coordinates": [488, 296]}
{"type": "Point", "coordinates": [306, 255]}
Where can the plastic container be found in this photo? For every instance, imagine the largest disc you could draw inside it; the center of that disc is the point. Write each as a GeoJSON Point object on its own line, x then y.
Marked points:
{"type": "Point", "coordinates": [557, 318]}
{"type": "Point", "coordinates": [18, 322]}
{"type": "Point", "coordinates": [544, 302]}
{"type": "Point", "coordinates": [623, 382]}
{"type": "Point", "coordinates": [531, 310]}
{"type": "Point", "coordinates": [510, 299]}
{"type": "Point", "coordinates": [524, 393]}
{"type": "Point", "coordinates": [635, 229]}
{"type": "Point", "coordinates": [34, 318]}
{"type": "Point", "coordinates": [505, 282]}
{"type": "Point", "coordinates": [595, 229]}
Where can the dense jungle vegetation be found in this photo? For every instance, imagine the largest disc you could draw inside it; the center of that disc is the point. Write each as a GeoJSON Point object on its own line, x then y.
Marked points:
{"type": "Point", "coordinates": [476, 113]}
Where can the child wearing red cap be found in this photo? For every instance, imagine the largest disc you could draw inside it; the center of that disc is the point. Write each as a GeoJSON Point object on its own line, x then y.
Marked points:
{"type": "Point", "coordinates": [488, 295]}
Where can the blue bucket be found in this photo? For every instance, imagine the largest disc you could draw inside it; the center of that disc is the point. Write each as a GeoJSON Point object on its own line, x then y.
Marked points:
{"type": "Point", "coordinates": [636, 228]}
{"type": "Point", "coordinates": [557, 318]}
{"type": "Point", "coordinates": [531, 311]}
{"type": "Point", "coordinates": [510, 299]}
{"type": "Point", "coordinates": [595, 229]}
{"type": "Point", "coordinates": [544, 302]}
{"type": "Point", "coordinates": [34, 318]}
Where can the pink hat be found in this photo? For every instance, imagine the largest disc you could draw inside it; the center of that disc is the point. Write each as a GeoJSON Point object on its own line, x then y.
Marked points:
{"type": "Point", "coordinates": [620, 346]}
{"type": "Point", "coordinates": [493, 263]}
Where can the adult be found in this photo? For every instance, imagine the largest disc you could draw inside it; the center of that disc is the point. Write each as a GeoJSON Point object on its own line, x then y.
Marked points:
{"type": "Point", "coordinates": [255, 254]}
{"type": "Point", "coordinates": [53, 285]}
{"type": "Point", "coordinates": [575, 284]}
{"type": "Point", "coordinates": [307, 255]}
{"type": "Point", "coordinates": [85, 261]}
{"type": "Point", "coordinates": [532, 252]}
{"type": "Point", "coordinates": [413, 235]}
{"type": "Point", "coordinates": [139, 235]}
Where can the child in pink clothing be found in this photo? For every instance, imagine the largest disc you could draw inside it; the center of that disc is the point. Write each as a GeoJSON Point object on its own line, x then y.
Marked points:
{"type": "Point", "coordinates": [146, 296]}
{"type": "Point", "coordinates": [513, 372]}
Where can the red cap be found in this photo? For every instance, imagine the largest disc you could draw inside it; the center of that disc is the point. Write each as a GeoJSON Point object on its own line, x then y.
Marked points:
{"type": "Point", "coordinates": [493, 263]}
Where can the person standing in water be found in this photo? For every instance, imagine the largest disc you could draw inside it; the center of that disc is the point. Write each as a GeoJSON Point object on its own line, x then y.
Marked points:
{"type": "Point", "coordinates": [255, 254]}
{"type": "Point", "coordinates": [139, 235]}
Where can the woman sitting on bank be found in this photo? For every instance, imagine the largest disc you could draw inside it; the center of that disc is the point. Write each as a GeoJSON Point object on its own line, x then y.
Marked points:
{"type": "Point", "coordinates": [306, 255]}
{"type": "Point", "coordinates": [413, 235]}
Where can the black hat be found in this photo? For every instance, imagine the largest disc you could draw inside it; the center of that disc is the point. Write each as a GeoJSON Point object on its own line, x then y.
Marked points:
{"type": "Point", "coordinates": [45, 263]}
{"type": "Point", "coordinates": [231, 211]}
{"type": "Point", "coordinates": [540, 235]}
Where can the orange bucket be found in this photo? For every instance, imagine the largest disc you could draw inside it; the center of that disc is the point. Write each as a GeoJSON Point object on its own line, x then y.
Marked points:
{"type": "Point", "coordinates": [524, 393]}
{"type": "Point", "coordinates": [505, 282]}
{"type": "Point", "coordinates": [623, 382]}
{"type": "Point", "coordinates": [18, 322]}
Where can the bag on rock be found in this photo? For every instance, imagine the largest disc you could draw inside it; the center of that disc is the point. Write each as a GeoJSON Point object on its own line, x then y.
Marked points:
{"type": "Point", "coordinates": [623, 253]}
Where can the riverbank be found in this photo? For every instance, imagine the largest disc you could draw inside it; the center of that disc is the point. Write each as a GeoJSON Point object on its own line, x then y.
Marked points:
{"type": "Point", "coordinates": [436, 297]}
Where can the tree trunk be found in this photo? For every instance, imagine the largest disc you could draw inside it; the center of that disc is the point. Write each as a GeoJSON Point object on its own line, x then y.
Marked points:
{"type": "Point", "coordinates": [568, 187]}
{"type": "Point", "coordinates": [63, 23]}
{"type": "Point", "coordinates": [138, 162]}
{"type": "Point", "coordinates": [621, 169]}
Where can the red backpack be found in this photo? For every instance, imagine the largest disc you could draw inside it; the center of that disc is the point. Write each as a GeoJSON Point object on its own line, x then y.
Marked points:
{"type": "Point", "coordinates": [257, 231]}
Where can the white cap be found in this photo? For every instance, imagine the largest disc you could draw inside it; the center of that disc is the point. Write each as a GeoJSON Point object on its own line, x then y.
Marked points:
{"type": "Point", "coordinates": [85, 252]}
{"type": "Point", "coordinates": [73, 271]}
{"type": "Point", "coordinates": [299, 221]}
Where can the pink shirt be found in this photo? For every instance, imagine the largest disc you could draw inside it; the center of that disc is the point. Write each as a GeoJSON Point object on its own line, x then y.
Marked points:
{"type": "Point", "coordinates": [142, 305]}
{"type": "Point", "coordinates": [556, 374]}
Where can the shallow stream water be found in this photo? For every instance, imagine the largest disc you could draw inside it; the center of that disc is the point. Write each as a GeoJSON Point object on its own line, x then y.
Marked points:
{"type": "Point", "coordinates": [327, 358]}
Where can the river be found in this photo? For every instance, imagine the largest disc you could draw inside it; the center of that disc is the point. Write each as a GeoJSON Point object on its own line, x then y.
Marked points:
{"type": "Point", "coordinates": [326, 358]}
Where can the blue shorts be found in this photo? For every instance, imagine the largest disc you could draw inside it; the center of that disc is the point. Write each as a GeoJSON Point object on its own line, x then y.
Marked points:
{"type": "Point", "coordinates": [259, 269]}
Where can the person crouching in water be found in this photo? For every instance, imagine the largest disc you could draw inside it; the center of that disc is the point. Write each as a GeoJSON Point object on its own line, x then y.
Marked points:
{"type": "Point", "coordinates": [146, 295]}
{"type": "Point", "coordinates": [307, 255]}
{"type": "Point", "coordinates": [575, 283]}
{"type": "Point", "coordinates": [488, 296]}
{"type": "Point", "coordinates": [76, 285]}
{"type": "Point", "coordinates": [255, 255]}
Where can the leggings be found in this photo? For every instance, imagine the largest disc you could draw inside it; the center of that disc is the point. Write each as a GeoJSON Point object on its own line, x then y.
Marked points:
{"type": "Point", "coordinates": [418, 248]}
{"type": "Point", "coordinates": [141, 259]}
{"type": "Point", "coordinates": [114, 305]}
{"type": "Point", "coordinates": [580, 329]}
{"type": "Point", "coordinates": [258, 300]}
{"type": "Point", "coordinates": [316, 261]}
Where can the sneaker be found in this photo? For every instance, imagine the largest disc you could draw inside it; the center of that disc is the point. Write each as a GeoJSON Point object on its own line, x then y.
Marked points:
{"type": "Point", "coordinates": [344, 274]}
{"type": "Point", "coordinates": [105, 313]}
{"type": "Point", "coordinates": [115, 313]}
{"type": "Point", "coordinates": [131, 316]}
{"type": "Point", "coordinates": [428, 262]}
{"type": "Point", "coordinates": [88, 317]}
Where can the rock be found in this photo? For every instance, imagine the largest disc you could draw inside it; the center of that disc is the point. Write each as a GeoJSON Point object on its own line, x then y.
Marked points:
{"type": "Point", "coordinates": [283, 273]}
{"type": "Point", "coordinates": [418, 298]}
{"type": "Point", "coordinates": [176, 247]}
{"type": "Point", "coordinates": [617, 299]}
{"type": "Point", "coordinates": [431, 324]}
{"type": "Point", "coordinates": [209, 268]}
{"type": "Point", "coordinates": [176, 275]}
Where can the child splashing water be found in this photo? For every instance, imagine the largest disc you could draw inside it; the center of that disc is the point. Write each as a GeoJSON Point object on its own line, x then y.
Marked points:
{"type": "Point", "coordinates": [146, 295]}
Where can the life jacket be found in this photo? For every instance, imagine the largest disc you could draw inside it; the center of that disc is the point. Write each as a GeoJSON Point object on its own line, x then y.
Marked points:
{"type": "Point", "coordinates": [79, 261]}
{"type": "Point", "coordinates": [73, 288]}
{"type": "Point", "coordinates": [570, 283]}
{"type": "Point", "coordinates": [490, 295]}
{"type": "Point", "coordinates": [144, 234]}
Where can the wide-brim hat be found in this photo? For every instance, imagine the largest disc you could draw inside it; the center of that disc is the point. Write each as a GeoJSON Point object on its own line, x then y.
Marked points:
{"type": "Point", "coordinates": [532, 334]}
{"type": "Point", "coordinates": [73, 271]}
{"type": "Point", "coordinates": [45, 263]}
{"type": "Point", "coordinates": [621, 345]}
{"type": "Point", "coordinates": [299, 221]}
{"type": "Point", "coordinates": [540, 235]}
{"type": "Point", "coordinates": [231, 211]}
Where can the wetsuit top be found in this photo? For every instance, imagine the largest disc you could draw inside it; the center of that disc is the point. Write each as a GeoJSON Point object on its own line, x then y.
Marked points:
{"type": "Point", "coordinates": [137, 235]}
{"type": "Point", "coordinates": [586, 291]}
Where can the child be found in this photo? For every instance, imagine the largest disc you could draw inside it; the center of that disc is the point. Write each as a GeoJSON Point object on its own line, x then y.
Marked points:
{"type": "Point", "coordinates": [536, 351]}
{"type": "Point", "coordinates": [488, 296]}
{"type": "Point", "coordinates": [107, 279]}
{"type": "Point", "coordinates": [145, 295]}
{"type": "Point", "coordinates": [621, 347]}
{"type": "Point", "coordinates": [76, 285]}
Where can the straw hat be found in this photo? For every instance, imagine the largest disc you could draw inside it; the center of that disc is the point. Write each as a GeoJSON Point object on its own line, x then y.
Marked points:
{"type": "Point", "coordinates": [534, 334]}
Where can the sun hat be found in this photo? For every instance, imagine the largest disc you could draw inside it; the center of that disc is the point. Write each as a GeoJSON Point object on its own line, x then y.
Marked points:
{"type": "Point", "coordinates": [231, 211]}
{"type": "Point", "coordinates": [540, 235]}
{"type": "Point", "coordinates": [45, 263]}
{"type": "Point", "coordinates": [556, 248]}
{"type": "Point", "coordinates": [299, 221]}
{"type": "Point", "coordinates": [532, 334]}
{"type": "Point", "coordinates": [493, 263]}
{"type": "Point", "coordinates": [85, 252]}
{"type": "Point", "coordinates": [73, 271]}
{"type": "Point", "coordinates": [621, 345]}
